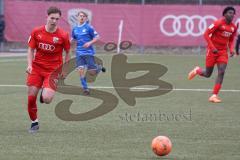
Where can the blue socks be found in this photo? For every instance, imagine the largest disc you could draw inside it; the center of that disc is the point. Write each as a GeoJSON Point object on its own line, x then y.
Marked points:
{"type": "Point", "coordinates": [84, 82]}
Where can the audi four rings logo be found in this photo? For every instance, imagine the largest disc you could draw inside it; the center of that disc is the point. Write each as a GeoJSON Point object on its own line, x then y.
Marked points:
{"type": "Point", "coordinates": [47, 47]}
{"type": "Point", "coordinates": [184, 25]}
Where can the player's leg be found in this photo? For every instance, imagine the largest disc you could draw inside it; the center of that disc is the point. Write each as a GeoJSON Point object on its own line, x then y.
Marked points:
{"type": "Point", "coordinates": [81, 63]}
{"type": "Point", "coordinates": [93, 67]}
{"type": "Point", "coordinates": [219, 80]}
{"type": "Point", "coordinates": [32, 108]}
{"type": "Point", "coordinates": [207, 72]}
{"type": "Point", "coordinates": [222, 61]}
{"type": "Point", "coordinates": [47, 95]}
{"type": "Point", "coordinates": [41, 97]}
{"type": "Point", "coordinates": [34, 83]}
{"type": "Point", "coordinates": [49, 86]}
{"type": "Point", "coordinates": [218, 83]}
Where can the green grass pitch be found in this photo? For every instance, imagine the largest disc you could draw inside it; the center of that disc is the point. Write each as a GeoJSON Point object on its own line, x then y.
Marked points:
{"type": "Point", "coordinates": [202, 131]}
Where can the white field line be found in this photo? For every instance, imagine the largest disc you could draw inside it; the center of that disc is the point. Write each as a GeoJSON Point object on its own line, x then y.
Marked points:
{"type": "Point", "coordinates": [137, 88]}
{"type": "Point", "coordinates": [12, 60]}
{"type": "Point", "coordinates": [23, 55]}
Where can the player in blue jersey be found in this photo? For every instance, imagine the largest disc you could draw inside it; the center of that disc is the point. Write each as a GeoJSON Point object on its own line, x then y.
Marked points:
{"type": "Point", "coordinates": [85, 36]}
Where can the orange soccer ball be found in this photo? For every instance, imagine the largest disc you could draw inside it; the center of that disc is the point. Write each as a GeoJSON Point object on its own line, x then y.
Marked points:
{"type": "Point", "coordinates": [161, 145]}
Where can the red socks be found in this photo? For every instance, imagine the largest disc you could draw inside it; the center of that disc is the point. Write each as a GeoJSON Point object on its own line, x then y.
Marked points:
{"type": "Point", "coordinates": [32, 107]}
{"type": "Point", "coordinates": [216, 88]}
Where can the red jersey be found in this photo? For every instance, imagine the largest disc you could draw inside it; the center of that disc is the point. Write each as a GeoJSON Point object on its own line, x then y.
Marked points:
{"type": "Point", "coordinates": [49, 47]}
{"type": "Point", "coordinates": [220, 35]}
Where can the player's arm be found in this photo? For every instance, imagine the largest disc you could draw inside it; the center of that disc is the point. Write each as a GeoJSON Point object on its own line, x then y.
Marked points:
{"type": "Point", "coordinates": [95, 37]}
{"type": "Point", "coordinates": [73, 42]}
{"type": "Point", "coordinates": [237, 45]}
{"type": "Point", "coordinates": [65, 68]}
{"type": "Point", "coordinates": [208, 33]}
{"type": "Point", "coordinates": [231, 42]}
{"type": "Point", "coordinates": [66, 47]}
{"type": "Point", "coordinates": [30, 55]}
{"type": "Point", "coordinates": [67, 57]}
{"type": "Point", "coordinates": [88, 44]}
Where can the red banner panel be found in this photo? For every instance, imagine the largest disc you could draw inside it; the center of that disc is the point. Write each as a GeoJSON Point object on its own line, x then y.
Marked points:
{"type": "Point", "coordinates": [148, 25]}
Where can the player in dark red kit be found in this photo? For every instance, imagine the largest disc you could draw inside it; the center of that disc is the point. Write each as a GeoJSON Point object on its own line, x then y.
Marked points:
{"type": "Point", "coordinates": [219, 36]}
{"type": "Point", "coordinates": [45, 52]}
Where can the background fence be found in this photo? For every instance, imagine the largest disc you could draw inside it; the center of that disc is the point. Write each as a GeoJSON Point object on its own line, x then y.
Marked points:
{"type": "Point", "coordinates": [218, 2]}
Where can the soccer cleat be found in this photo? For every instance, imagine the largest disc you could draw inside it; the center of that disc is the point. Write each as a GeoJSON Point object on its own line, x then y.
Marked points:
{"type": "Point", "coordinates": [41, 97]}
{"type": "Point", "coordinates": [103, 69]}
{"type": "Point", "coordinates": [214, 99]}
{"type": "Point", "coordinates": [86, 92]}
{"type": "Point", "coordinates": [34, 128]}
{"type": "Point", "coordinates": [193, 73]}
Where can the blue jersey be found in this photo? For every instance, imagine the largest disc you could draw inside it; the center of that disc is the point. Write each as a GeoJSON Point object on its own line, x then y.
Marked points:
{"type": "Point", "coordinates": [82, 34]}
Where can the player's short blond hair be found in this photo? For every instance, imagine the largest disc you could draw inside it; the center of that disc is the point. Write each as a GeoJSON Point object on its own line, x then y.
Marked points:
{"type": "Point", "coordinates": [82, 13]}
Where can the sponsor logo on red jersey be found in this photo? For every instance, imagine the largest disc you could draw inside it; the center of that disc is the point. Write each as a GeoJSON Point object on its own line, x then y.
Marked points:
{"type": "Point", "coordinates": [226, 34]}
{"type": "Point", "coordinates": [55, 39]}
{"type": "Point", "coordinates": [47, 47]}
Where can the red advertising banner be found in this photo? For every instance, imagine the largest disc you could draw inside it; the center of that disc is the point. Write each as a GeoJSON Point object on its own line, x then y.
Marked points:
{"type": "Point", "coordinates": [148, 25]}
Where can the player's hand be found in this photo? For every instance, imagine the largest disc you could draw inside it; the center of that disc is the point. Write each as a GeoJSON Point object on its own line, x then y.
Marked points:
{"type": "Point", "coordinates": [232, 54]}
{"type": "Point", "coordinates": [63, 75]}
{"type": "Point", "coordinates": [86, 45]}
{"type": "Point", "coordinates": [215, 51]}
{"type": "Point", "coordinates": [29, 69]}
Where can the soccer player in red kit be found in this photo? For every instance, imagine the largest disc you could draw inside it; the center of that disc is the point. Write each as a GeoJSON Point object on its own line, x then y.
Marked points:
{"type": "Point", "coordinates": [45, 52]}
{"type": "Point", "coordinates": [219, 36]}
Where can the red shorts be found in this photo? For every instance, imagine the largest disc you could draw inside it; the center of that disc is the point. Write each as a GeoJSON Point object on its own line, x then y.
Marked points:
{"type": "Point", "coordinates": [42, 78]}
{"type": "Point", "coordinates": [217, 58]}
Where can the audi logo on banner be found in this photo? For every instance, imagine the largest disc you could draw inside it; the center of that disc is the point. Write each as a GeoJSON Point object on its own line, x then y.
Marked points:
{"type": "Point", "coordinates": [184, 25]}
{"type": "Point", "coordinates": [47, 47]}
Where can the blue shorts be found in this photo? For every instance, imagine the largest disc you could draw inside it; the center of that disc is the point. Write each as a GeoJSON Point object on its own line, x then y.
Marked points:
{"type": "Point", "coordinates": [87, 61]}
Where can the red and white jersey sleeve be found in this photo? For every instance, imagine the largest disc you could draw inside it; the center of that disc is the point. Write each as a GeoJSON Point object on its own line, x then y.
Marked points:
{"type": "Point", "coordinates": [31, 40]}
{"type": "Point", "coordinates": [49, 47]}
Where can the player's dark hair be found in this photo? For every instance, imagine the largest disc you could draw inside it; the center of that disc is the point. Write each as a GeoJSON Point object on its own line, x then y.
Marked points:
{"type": "Point", "coordinates": [52, 10]}
{"type": "Point", "coordinates": [228, 9]}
